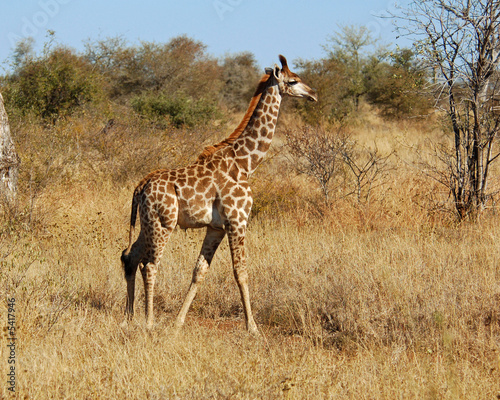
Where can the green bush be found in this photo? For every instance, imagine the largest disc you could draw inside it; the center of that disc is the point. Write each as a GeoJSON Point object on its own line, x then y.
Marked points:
{"type": "Point", "coordinates": [328, 78]}
{"type": "Point", "coordinates": [179, 110]}
{"type": "Point", "coordinates": [52, 85]}
{"type": "Point", "coordinates": [179, 66]}
{"type": "Point", "coordinates": [401, 87]}
{"type": "Point", "coordinates": [240, 74]}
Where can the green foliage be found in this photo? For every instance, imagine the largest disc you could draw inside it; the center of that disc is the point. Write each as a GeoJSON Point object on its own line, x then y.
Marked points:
{"type": "Point", "coordinates": [179, 83]}
{"type": "Point", "coordinates": [342, 79]}
{"type": "Point", "coordinates": [181, 65]}
{"type": "Point", "coordinates": [52, 85]}
{"type": "Point", "coordinates": [178, 110]}
{"type": "Point", "coordinates": [348, 49]}
{"type": "Point", "coordinates": [327, 77]}
{"type": "Point", "coordinates": [354, 70]}
{"type": "Point", "coordinates": [400, 87]}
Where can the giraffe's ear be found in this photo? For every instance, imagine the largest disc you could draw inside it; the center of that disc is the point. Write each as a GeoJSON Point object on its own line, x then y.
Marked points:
{"type": "Point", "coordinates": [269, 71]}
{"type": "Point", "coordinates": [277, 72]}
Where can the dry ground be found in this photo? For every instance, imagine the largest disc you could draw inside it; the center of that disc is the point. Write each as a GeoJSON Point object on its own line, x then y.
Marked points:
{"type": "Point", "coordinates": [381, 301]}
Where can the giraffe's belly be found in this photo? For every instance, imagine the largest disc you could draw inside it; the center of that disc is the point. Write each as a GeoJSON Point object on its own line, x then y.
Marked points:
{"type": "Point", "coordinates": [199, 217]}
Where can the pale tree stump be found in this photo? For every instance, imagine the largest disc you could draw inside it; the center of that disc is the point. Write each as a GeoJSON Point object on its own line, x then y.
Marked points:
{"type": "Point", "coordinates": [9, 160]}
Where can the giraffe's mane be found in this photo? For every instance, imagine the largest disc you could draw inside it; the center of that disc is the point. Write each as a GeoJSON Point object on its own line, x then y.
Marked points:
{"type": "Point", "coordinates": [209, 150]}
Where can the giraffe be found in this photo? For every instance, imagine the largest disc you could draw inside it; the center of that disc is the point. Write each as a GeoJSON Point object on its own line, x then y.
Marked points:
{"type": "Point", "coordinates": [212, 193]}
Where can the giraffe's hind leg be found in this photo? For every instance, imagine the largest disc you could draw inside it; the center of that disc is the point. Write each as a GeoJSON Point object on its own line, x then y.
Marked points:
{"type": "Point", "coordinates": [211, 242]}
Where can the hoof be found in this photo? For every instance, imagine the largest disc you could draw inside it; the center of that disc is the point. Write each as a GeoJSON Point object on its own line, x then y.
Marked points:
{"type": "Point", "coordinates": [176, 329]}
{"type": "Point", "coordinates": [253, 331]}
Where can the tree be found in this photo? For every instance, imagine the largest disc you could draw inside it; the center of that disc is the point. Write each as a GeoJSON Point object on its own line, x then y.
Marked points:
{"type": "Point", "coordinates": [180, 66]}
{"type": "Point", "coordinates": [343, 77]}
{"type": "Point", "coordinates": [348, 48]}
{"type": "Point", "coordinates": [328, 79]}
{"type": "Point", "coordinates": [400, 88]}
{"type": "Point", "coordinates": [116, 62]}
{"type": "Point", "coordinates": [240, 74]}
{"type": "Point", "coordinates": [460, 40]}
{"type": "Point", "coordinates": [51, 85]}
{"type": "Point", "coordinates": [168, 83]}
{"type": "Point", "coordinates": [9, 160]}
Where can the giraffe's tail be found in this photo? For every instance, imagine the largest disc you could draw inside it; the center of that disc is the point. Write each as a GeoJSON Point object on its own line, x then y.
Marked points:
{"type": "Point", "coordinates": [135, 203]}
{"type": "Point", "coordinates": [133, 218]}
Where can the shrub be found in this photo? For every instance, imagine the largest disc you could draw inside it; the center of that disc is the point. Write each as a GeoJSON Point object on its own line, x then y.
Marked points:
{"type": "Point", "coordinates": [240, 75]}
{"type": "Point", "coordinates": [319, 154]}
{"type": "Point", "coordinates": [180, 65]}
{"type": "Point", "coordinates": [400, 87]}
{"type": "Point", "coordinates": [52, 85]}
{"type": "Point", "coordinates": [178, 111]}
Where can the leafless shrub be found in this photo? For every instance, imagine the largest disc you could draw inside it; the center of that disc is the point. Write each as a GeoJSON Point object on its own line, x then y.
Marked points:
{"type": "Point", "coordinates": [367, 167]}
{"type": "Point", "coordinates": [336, 162]}
{"type": "Point", "coordinates": [319, 154]}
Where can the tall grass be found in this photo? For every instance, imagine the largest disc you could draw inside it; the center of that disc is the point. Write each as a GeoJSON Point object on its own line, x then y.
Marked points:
{"type": "Point", "coordinates": [392, 300]}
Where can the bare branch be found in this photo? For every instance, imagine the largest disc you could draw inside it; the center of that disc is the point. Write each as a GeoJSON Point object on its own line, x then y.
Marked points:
{"type": "Point", "coordinates": [461, 40]}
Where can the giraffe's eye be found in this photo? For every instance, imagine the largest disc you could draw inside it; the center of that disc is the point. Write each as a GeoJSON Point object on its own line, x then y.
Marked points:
{"type": "Point", "coordinates": [291, 83]}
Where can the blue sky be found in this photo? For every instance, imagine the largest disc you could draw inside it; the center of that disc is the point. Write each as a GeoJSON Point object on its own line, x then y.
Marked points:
{"type": "Point", "coordinates": [294, 28]}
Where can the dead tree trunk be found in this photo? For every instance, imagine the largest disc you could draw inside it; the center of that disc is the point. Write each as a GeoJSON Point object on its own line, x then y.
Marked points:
{"type": "Point", "coordinates": [9, 160]}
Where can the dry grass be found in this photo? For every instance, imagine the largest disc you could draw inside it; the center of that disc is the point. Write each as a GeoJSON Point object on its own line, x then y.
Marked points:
{"type": "Point", "coordinates": [391, 300]}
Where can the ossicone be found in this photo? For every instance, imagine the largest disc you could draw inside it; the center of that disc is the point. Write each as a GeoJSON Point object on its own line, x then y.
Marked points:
{"type": "Point", "coordinates": [284, 64]}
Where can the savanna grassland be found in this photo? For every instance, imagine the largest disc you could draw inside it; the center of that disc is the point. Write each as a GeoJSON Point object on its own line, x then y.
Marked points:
{"type": "Point", "coordinates": [384, 298]}
{"type": "Point", "coordinates": [363, 284]}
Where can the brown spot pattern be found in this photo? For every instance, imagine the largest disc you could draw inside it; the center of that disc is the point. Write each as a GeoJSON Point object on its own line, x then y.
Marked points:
{"type": "Point", "coordinates": [213, 193]}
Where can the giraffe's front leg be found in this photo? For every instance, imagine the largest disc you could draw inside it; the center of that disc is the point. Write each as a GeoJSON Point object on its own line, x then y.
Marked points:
{"type": "Point", "coordinates": [148, 272]}
{"type": "Point", "coordinates": [236, 237]}
{"type": "Point", "coordinates": [210, 244]}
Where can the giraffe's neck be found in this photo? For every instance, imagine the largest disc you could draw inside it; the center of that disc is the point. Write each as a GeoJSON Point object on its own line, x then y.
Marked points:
{"type": "Point", "coordinates": [253, 144]}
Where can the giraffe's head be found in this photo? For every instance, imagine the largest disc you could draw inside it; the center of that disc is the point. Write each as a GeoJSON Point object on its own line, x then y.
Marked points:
{"type": "Point", "coordinates": [290, 83]}
{"type": "Point", "coordinates": [130, 262]}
